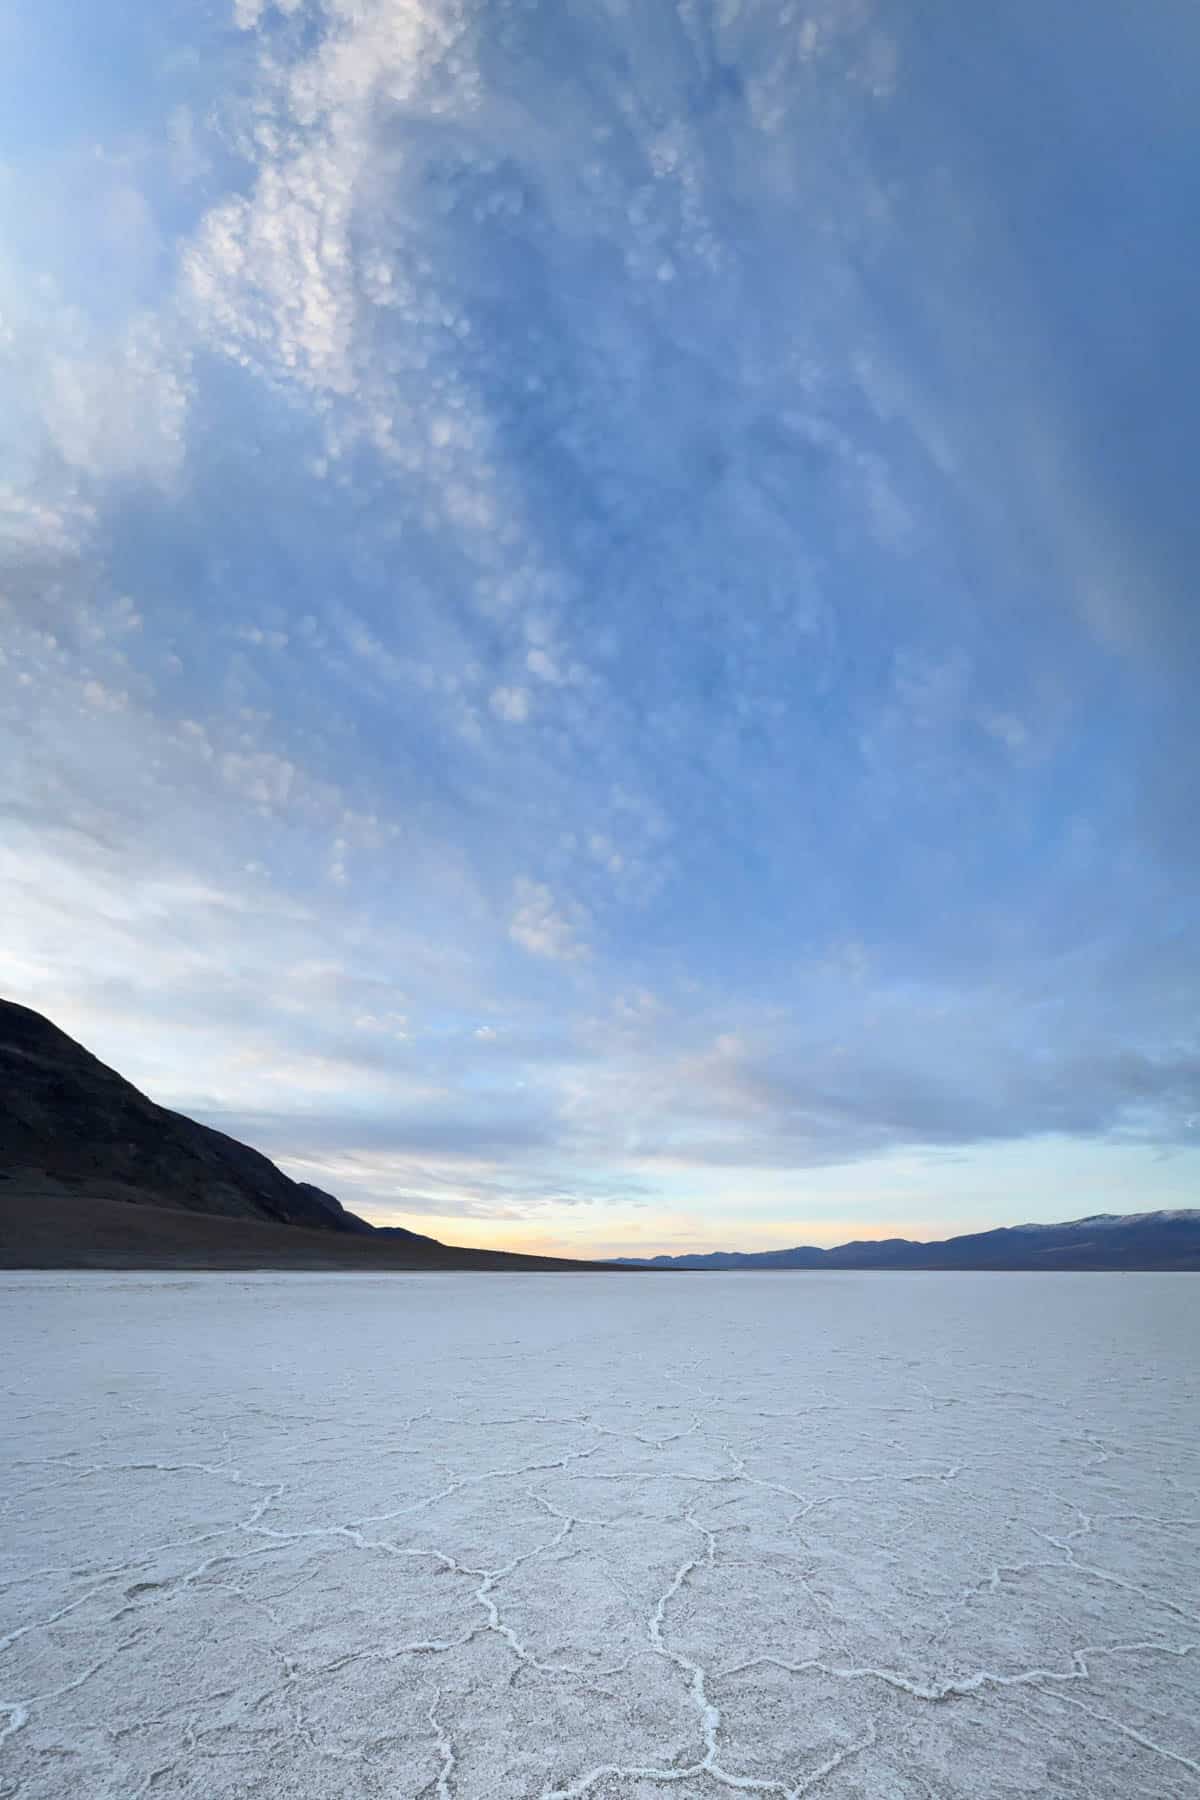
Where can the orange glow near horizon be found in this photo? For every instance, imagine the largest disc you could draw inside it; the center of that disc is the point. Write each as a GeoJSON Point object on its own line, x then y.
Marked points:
{"type": "Point", "coordinates": [675, 1235]}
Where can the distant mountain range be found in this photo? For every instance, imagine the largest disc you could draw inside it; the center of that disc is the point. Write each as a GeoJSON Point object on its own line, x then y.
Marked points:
{"type": "Point", "coordinates": [1153, 1240]}
{"type": "Point", "coordinates": [93, 1174]}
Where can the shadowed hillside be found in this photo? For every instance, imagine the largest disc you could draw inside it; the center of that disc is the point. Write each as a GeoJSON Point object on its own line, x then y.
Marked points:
{"type": "Point", "coordinates": [94, 1174]}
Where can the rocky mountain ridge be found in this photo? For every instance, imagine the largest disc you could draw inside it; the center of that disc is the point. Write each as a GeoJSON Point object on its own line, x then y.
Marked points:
{"type": "Point", "coordinates": [1151, 1240]}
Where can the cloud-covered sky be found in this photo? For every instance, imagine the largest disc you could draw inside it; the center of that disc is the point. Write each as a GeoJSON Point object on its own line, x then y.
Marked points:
{"type": "Point", "coordinates": [599, 625]}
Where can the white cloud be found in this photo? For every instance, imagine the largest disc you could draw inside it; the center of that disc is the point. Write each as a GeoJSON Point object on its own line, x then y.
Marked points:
{"type": "Point", "coordinates": [115, 409]}
{"type": "Point", "coordinates": [541, 664]}
{"type": "Point", "coordinates": [38, 525]}
{"type": "Point", "coordinates": [92, 393]}
{"type": "Point", "coordinates": [391, 1024]}
{"type": "Point", "coordinates": [637, 1005]}
{"type": "Point", "coordinates": [543, 928]}
{"type": "Point", "coordinates": [273, 278]}
{"type": "Point", "coordinates": [606, 853]}
{"type": "Point", "coordinates": [510, 704]}
{"type": "Point", "coordinates": [1007, 729]}
{"type": "Point", "coordinates": [104, 699]}
{"type": "Point", "coordinates": [261, 639]}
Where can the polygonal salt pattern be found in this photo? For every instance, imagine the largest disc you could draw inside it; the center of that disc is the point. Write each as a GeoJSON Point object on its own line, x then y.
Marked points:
{"type": "Point", "coordinates": [524, 1536]}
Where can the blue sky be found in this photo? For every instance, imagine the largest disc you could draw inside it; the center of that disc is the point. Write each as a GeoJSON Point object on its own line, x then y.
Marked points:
{"type": "Point", "coordinates": [599, 635]}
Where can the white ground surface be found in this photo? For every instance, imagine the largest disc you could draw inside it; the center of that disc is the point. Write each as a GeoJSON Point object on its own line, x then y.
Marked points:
{"type": "Point", "coordinates": [331, 1536]}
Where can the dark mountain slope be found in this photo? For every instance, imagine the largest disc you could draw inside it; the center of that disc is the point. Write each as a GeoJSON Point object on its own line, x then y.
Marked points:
{"type": "Point", "coordinates": [67, 1119]}
{"type": "Point", "coordinates": [49, 1228]}
{"type": "Point", "coordinates": [95, 1175]}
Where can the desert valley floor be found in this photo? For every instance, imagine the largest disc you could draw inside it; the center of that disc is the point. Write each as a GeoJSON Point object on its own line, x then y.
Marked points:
{"type": "Point", "coordinates": [320, 1536]}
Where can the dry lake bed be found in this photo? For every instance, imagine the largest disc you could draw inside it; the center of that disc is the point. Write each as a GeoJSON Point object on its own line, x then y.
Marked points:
{"type": "Point", "coordinates": [306, 1537]}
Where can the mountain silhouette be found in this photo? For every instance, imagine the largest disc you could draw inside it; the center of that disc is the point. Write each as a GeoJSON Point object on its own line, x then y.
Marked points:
{"type": "Point", "coordinates": [92, 1173]}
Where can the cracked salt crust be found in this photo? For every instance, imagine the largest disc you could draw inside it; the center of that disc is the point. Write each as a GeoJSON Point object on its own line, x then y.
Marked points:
{"type": "Point", "coordinates": [555, 1536]}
